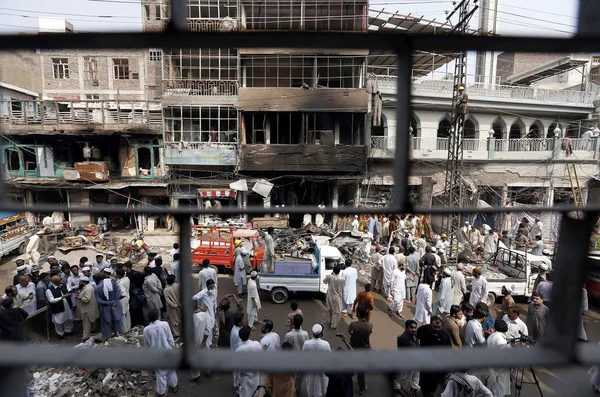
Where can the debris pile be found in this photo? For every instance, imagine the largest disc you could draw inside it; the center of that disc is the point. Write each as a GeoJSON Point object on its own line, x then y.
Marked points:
{"type": "Point", "coordinates": [95, 382]}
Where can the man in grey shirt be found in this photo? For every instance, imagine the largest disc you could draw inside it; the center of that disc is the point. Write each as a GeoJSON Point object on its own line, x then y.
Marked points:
{"type": "Point", "coordinates": [412, 264]}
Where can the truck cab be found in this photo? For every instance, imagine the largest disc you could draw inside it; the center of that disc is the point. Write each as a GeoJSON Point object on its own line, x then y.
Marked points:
{"type": "Point", "coordinates": [293, 275]}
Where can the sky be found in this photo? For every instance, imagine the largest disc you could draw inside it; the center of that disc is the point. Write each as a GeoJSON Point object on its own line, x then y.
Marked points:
{"type": "Point", "coordinates": [516, 17]}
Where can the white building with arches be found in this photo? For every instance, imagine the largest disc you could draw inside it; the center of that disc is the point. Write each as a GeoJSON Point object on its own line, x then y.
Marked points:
{"type": "Point", "coordinates": [512, 149]}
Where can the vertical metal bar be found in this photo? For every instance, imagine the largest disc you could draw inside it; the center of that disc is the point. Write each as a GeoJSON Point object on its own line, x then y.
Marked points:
{"type": "Point", "coordinates": [588, 21]}
{"type": "Point", "coordinates": [185, 252]}
{"type": "Point", "coordinates": [178, 15]}
{"type": "Point", "coordinates": [571, 268]}
{"type": "Point", "coordinates": [12, 382]}
{"type": "Point", "coordinates": [402, 161]}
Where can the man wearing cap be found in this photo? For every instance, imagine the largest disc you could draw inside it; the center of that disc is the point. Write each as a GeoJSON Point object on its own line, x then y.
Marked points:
{"type": "Point", "coordinates": [355, 224]}
{"type": "Point", "coordinates": [31, 252]}
{"type": "Point", "coordinates": [542, 276]}
{"type": "Point", "coordinates": [507, 301]}
{"type": "Point", "coordinates": [60, 307]}
{"type": "Point", "coordinates": [397, 291]}
{"type": "Point", "coordinates": [462, 102]}
{"type": "Point", "coordinates": [316, 383]}
{"type": "Point", "coordinates": [41, 288]}
{"type": "Point", "coordinates": [21, 271]}
{"type": "Point", "coordinates": [108, 295]}
{"type": "Point", "coordinates": [109, 256]}
{"type": "Point", "coordinates": [208, 297]}
{"type": "Point", "coordinates": [248, 381]}
{"type": "Point", "coordinates": [253, 305]}
{"type": "Point", "coordinates": [239, 272]}
{"type": "Point", "coordinates": [26, 289]}
{"type": "Point", "coordinates": [207, 273]}
{"type": "Point", "coordinates": [420, 245]}
{"type": "Point", "coordinates": [442, 246]}
{"type": "Point", "coordinates": [87, 307]}
{"type": "Point", "coordinates": [87, 271]}
{"type": "Point", "coordinates": [446, 293]}
{"type": "Point", "coordinates": [100, 264]}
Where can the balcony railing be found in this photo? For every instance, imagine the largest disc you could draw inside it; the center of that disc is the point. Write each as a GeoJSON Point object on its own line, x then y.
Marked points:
{"type": "Point", "coordinates": [61, 114]}
{"type": "Point", "coordinates": [383, 142]}
{"type": "Point", "coordinates": [201, 153]}
{"type": "Point", "coordinates": [524, 145]}
{"type": "Point", "coordinates": [387, 84]}
{"type": "Point", "coordinates": [225, 24]}
{"type": "Point", "coordinates": [200, 87]}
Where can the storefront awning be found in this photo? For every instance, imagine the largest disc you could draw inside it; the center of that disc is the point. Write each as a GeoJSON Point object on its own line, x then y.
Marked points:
{"type": "Point", "coordinates": [225, 193]}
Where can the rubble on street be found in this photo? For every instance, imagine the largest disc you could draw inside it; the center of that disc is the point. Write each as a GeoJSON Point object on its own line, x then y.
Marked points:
{"type": "Point", "coordinates": [95, 382]}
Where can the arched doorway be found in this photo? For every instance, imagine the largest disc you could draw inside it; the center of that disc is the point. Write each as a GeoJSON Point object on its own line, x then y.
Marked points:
{"type": "Point", "coordinates": [415, 125]}
{"type": "Point", "coordinates": [443, 133]}
{"type": "Point", "coordinates": [536, 130]}
{"type": "Point", "coordinates": [470, 132]}
{"type": "Point", "coordinates": [499, 128]}
{"type": "Point", "coordinates": [517, 130]}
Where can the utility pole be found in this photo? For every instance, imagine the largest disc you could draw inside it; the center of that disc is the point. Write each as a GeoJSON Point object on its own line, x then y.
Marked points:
{"type": "Point", "coordinates": [453, 188]}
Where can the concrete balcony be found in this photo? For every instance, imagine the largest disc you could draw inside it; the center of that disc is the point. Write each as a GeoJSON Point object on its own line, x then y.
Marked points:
{"type": "Point", "coordinates": [210, 24]}
{"type": "Point", "coordinates": [80, 116]}
{"type": "Point", "coordinates": [490, 149]}
{"type": "Point", "coordinates": [502, 93]}
{"type": "Point", "coordinates": [215, 154]}
{"type": "Point", "coordinates": [304, 158]}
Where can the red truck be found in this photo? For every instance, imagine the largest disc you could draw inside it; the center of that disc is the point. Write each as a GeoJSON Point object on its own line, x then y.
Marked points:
{"type": "Point", "coordinates": [218, 245]}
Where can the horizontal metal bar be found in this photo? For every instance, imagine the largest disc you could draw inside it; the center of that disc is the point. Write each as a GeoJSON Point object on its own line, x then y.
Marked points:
{"type": "Point", "coordinates": [222, 360]}
{"type": "Point", "coordinates": [301, 209]}
{"type": "Point", "coordinates": [278, 39]}
{"type": "Point", "coordinates": [588, 354]}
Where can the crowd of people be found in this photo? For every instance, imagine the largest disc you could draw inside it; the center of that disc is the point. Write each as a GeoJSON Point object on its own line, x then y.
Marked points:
{"type": "Point", "coordinates": [407, 273]}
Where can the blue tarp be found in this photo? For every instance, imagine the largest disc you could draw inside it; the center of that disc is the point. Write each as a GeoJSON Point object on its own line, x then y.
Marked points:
{"type": "Point", "coordinates": [4, 214]}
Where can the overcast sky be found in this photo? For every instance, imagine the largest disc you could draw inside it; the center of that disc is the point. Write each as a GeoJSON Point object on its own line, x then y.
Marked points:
{"type": "Point", "coordinates": [516, 17]}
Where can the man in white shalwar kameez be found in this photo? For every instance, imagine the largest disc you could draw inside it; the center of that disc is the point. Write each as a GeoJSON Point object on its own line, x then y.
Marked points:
{"type": "Point", "coordinates": [350, 276]}
{"type": "Point", "coordinates": [388, 263]}
{"type": "Point", "coordinates": [398, 291]}
{"type": "Point", "coordinates": [497, 380]}
{"type": "Point", "coordinates": [490, 244]}
{"type": "Point", "coordinates": [268, 264]}
{"type": "Point", "coordinates": [316, 383]}
{"type": "Point", "coordinates": [270, 341]}
{"type": "Point", "coordinates": [124, 284]}
{"type": "Point", "coordinates": [202, 335]}
{"type": "Point", "coordinates": [479, 288]}
{"type": "Point", "coordinates": [157, 335]}
{"type": "Point", "coordinates": [446, 293]}
{"type": "Point", "coordinates": [253, 305]}
{"type": "Point", "coordinates": [31, 251]}
{"type": "Point", "coordinates": [208, 298]}
{"type": "Point", "coordinates": [239, 272]}
{"type": "Point", "coordinates": [207, 273]}
{"type": "Point", "coordinates": [423, 309]}
{"type": "Point", "coordinates": [248, 381]}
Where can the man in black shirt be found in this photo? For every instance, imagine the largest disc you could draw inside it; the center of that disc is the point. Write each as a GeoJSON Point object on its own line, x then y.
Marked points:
{"type": "Point", "coordinates": [360, 332]}
{"type": "Point", "coordinates": [428, 266]}
{"type": "Point", "coordinates": [408, 385]}
{"type": "Point", "coordinates": [432, 335]}
{"type": "Point", "coordinates": [136, 280]}
{"type": "Point", "coordinates": [12, 321]}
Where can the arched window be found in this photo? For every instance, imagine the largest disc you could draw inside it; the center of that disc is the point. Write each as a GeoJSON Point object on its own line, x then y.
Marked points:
{"type": "Point", "coordinates": [443, 133]}
{"type": "Point", "coordinates": [550, 133]}
{"type": "Point", "coordinates": [415, 123]}
{"type": "Point", "coordinates": [536, 130]}
{"type": "Point", "coordinates": [471, 128]}
{"type": "Point", "coordinates": [499, 127]}
{"type": "Point", "coordinates": [516, 130]}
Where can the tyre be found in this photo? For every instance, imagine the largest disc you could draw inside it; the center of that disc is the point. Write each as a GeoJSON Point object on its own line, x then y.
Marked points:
{"type": "Point", "coordinates": [133, 256]}
{"type": "Point", "coordinates": [21, 249]}
{"type": "Point", "coordinates": [491, 299]}
{"type": "Point", "coordinates": [279, 295]}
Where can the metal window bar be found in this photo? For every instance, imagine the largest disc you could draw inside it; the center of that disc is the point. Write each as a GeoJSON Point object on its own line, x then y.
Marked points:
{"type": "Point", "coordinates": [559, 347]}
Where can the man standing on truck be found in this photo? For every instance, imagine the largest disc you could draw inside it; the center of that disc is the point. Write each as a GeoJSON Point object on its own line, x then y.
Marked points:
{"type": "Point", "coordinates": [334, 296]}
{"type": "Point", "coordinates": [253, 299]}
{"type": "Point", "coordinates": [31, 252]}
{"type": "Point", "coordinates": [269, 258]}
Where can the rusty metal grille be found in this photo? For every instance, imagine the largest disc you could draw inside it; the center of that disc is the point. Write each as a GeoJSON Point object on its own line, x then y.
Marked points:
{"type": "Point", "coordinates": [559, 347]}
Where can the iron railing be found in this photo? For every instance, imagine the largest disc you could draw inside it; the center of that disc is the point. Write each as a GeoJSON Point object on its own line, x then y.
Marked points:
{"type": "Point", "coordinates": [65, 114]}
{"type": "Point", "coordinates": [199, 87]}
{"type": "Point", "coordinates": [557, 349]}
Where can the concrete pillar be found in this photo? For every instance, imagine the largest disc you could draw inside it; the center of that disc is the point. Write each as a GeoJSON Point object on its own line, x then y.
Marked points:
{"type": "Point", "coordinates": [556, 148]}
{"type": "Point", "coordinates": [550, 196]}
{"type": "Point", "coordinates": [335, 197]}
{"type": "Point", "coordinates": [491, 147]}
{"type": "Point", "coordinates": [595, 147]}
{"type": "Point", "coordinates": [357, 195]}
{"type": "Point", "coordinates": [174, 203]}
{"type": "Point", "coordinates": [29, 198]}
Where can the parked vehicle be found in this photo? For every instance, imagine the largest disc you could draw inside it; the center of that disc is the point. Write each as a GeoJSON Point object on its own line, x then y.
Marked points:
{"type": "Point", "coordinates": [293, 275]}
{"type": "Point", "coordinates": [515, 268]}
{"type": "Point", "coordinates": [14, 233]}
{"type": "Point", "coordinates": [218, 245]}
{"type": "Point", "coordinates": [136, 250]}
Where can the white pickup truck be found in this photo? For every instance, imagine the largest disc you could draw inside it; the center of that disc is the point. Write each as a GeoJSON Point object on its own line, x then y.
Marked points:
{"type": "Point", "coordinates": [515, 268]}
{"type": "Point", "coordinates": [301, 274]}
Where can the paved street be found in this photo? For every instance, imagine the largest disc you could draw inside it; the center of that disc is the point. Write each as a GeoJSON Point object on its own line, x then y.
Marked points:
{"type": "Point", "coordinates": [569, 381]}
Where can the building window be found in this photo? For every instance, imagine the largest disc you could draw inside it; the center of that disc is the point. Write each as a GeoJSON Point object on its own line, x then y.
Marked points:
{"type": "Point", "coordinates": [201, 124]}
{"type": "Point", "coordinates": [155, 54]}
{"type": "Point", "coordinates": [158, 15]}
{"type": "Point", "coordinates": [121, 68]}
{"type": "Point", "coordinates": [60, 68]}
{"type": "Point", "coordinates": [147, 12]}
{"type": "Point", "coordinates": [202, 64]}
{"type": "Point", "coordinates": [90, 71]}
{"type": "Point", "coordinates": [92, 97]}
